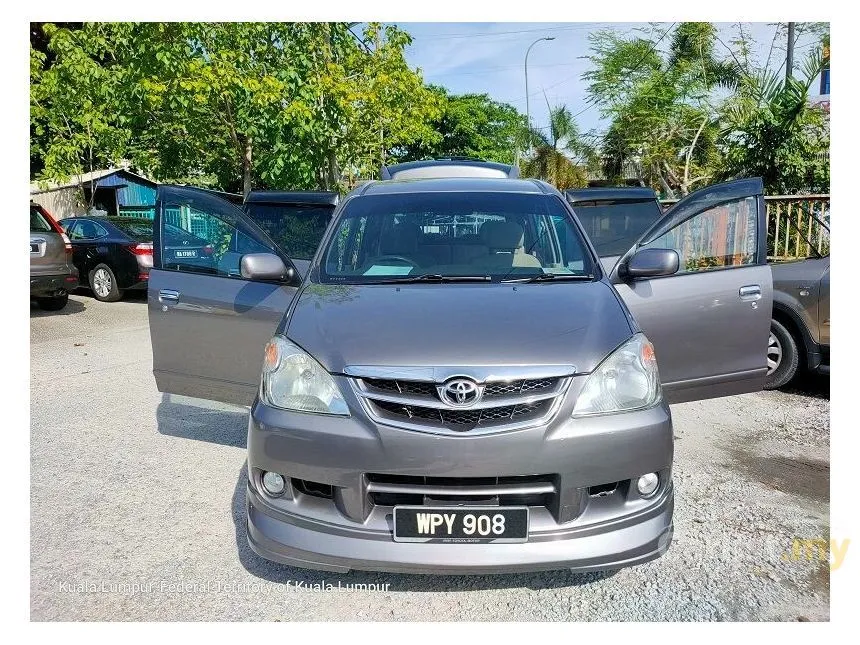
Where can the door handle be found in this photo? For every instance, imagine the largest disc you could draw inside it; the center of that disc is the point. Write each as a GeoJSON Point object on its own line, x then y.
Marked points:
{"type": "Point", "coordinates": [750, 292]}
{"type": "Point", "coordinates": [168, 295]}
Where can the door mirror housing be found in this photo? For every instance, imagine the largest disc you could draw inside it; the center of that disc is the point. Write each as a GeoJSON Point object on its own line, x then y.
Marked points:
{"type": "Point", "coordinates": [264, 266]}
{"type": "Point", "coordinates": [651, 263]}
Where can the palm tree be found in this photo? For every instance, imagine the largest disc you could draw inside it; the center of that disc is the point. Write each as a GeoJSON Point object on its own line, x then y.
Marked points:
{"type": "Point", "coordinates": [771, 130]}
{"type": "Point", "coordinates": [549, 160]}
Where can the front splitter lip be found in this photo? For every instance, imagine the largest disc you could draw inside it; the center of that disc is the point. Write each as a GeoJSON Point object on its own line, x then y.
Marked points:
{"type": "Point", "coordinates": [614, 544]}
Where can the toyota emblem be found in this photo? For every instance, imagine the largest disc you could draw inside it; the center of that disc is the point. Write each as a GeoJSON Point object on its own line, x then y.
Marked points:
{"type": "Point", "coordinates": [460, 392]}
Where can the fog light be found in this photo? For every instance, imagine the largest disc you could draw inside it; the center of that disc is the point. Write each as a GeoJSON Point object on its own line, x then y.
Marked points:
{"type": "Point", "coordinates": [647, 484]}
{"type": "Point", "coordinates": [273, 484]}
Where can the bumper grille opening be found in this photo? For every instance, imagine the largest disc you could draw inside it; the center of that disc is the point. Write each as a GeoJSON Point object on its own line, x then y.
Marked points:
{"type": "Point", "coordinates": [530, 490]}
{"type": "Point", "coordinates": [602, 490]}
{"type": "Point", "coordinates": [314, 489]}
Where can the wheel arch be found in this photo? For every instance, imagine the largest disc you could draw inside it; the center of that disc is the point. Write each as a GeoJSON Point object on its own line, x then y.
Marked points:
{"type": "Point", "coordinates": [793, 323]}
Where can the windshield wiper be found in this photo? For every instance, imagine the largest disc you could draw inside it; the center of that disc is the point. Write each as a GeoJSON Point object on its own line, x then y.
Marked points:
{"type": "Point", "coordinates": [435, 277]}
{"type": "Point", "coordinates": [542, 277]}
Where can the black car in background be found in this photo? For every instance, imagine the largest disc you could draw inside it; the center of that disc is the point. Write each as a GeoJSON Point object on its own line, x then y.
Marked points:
{"type": "Point", "coordinates": [112, 254]}
{"type": "Point", "coordinates": [295, 220]}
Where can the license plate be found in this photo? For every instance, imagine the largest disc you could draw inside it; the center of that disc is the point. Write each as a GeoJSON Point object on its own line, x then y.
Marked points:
{"type": "Point", "coordinates": [190, 253]}
{"type": "Point", "coordinates": [461, 525]}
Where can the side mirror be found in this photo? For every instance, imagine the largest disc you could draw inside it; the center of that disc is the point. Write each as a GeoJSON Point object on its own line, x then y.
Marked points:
{"type": "Point", "coordinates": [651, 263]}
{"type": "Point", "coordinates": [263, 266]}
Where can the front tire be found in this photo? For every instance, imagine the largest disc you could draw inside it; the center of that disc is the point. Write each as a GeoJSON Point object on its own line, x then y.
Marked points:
{"type": "Point", "coordinates": [782, 356]}
{"type": "Point", "coordinates": [103, 284]}
{"type": "Point", "coordinates": [53, 303]}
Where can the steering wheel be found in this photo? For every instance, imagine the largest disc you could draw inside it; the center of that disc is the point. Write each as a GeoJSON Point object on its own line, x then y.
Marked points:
{"type": "Point", "coordinates": [397, 258]}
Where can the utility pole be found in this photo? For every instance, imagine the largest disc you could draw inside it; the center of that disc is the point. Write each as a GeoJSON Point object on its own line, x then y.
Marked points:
{"type": "Point", "coordinates": [789, 53]}
{"type": "Point", "coordinates": [526, 68]}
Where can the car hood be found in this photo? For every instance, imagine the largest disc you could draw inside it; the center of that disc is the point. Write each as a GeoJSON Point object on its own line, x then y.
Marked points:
{"type": "Point", "coordinates": [438, 325]}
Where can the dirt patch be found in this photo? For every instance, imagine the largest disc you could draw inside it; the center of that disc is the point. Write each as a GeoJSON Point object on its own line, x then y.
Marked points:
{"type": "Point", "coordinates": [809, 478]}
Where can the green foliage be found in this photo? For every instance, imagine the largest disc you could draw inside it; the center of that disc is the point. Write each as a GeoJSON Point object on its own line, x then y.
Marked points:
{"type": "Point", "coordinates": [560, 155]}
{"type": "Point", "coordinates": [770, 130]}
{"type": "Point", "coordinates": [227, 104]}
{"type": "Point", "coordinates": [471, 125]}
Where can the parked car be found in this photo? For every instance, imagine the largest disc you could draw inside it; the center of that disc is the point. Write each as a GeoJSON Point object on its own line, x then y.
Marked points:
{"type": "Point", "coordinates": [113, 254]}
{"type": "Point", "coordinates": [800, 329]}
{"type": "Point", "coordinates": [614, 218]}
{"type": "Point", "coordinates": [295, 220]}
{"type": "Point", "coordinates": [799, 337]}
{"type": "Point", "coordinates": [457, 385]}
{"type": "Point", "coordinates": [52, 273]}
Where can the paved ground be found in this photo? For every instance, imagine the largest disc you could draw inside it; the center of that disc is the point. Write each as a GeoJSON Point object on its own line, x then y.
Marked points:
{"type": "Point", "coordinates": [137, 505]}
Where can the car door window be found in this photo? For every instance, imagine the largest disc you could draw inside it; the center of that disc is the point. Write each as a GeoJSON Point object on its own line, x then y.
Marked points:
{"type": "Point", "coordinates": [205, 239]}
{"type": "Point", "coordinates": [720, 237]}
{"type": "Point", "coordinates": [85, 229]}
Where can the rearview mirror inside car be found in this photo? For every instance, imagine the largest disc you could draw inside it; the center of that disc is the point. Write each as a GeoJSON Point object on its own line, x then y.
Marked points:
{"type": "Point", "coordinates": [263, 266]}
{"type": "Point", "coordinates": [651, 263]}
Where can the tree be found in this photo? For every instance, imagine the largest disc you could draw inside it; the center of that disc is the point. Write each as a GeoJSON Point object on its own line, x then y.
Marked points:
{"type": "Point", "coordinates": [227, 105]}
{"type": "Point", "coordinates": [550, 160]}
{"type": "Point", "coordinates": [76, 125]}
{"type": "Point", "coordinates": [471, 125]}
{"type": "Point", "coordinates": [661, 105]}
{"type": "Point", "coordinates": [770, 130]}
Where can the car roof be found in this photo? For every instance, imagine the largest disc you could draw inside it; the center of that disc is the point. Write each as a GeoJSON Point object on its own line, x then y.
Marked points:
{"type": "Point", "coordinates": [454, 184]}
{"type": "Point", "coordinates": [321, 198]}
{"type": "Point", "coordinates": [616, 193]}
{"type": "Point", "coordinates": [448, 167]}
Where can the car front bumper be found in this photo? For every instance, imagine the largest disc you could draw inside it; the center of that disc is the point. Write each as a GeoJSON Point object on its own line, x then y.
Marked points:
{"type": "Point", "coordinates": [53, 285]}
{"type": "Point", "coordinates": [348, 528]}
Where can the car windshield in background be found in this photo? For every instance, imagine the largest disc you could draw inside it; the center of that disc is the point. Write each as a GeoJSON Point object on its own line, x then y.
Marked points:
{"type": "Point", "coordinates": [38, 224]}
{"type": "Point", "coordinates": [295, 228]}
{"type": "Point", "coordinates": [139, 230]}
{"type": "Point", "coordinates": [454, 235]}
{"type": "Point", "coordinates": [613, 226]}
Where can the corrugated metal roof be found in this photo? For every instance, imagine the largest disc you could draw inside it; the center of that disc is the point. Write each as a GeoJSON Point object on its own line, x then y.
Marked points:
{"type": "Point", "coordinates": [37, 188]}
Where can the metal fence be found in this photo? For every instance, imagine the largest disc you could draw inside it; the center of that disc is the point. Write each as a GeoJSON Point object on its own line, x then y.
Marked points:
{"type": "Point", "coordinates": [798, 226]}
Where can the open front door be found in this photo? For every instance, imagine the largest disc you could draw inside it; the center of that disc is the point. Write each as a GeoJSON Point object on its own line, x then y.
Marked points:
{"type": "Point", "coordinates": [709, 321]}
{"type": "Point", "coordinates": [207, 323]}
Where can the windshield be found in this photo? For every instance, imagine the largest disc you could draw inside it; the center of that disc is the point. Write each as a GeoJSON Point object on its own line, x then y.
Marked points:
{"type": "Point", "coordinates": [296, 228]}
{"type": "Point", "coordinates": [613, 226]}
{"type": "Point", "coordinates": [139, 230]}
{"type": "Point", "coordinates": [485, 235]}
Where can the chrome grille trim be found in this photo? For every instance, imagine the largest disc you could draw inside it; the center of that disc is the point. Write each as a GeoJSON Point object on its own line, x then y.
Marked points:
{"type": "Point", "coordinates": [536, 488]}
{"type": "Point", "coordinates": [435, 402]}
{"type": "Point", "coordinates": [440, 374]}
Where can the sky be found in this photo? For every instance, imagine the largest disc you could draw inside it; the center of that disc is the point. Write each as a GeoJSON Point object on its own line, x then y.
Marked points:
{"type": "Point", "coordinates": [488, 58]}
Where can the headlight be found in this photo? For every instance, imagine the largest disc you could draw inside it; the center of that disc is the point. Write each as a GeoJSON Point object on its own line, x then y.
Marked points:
{"type": "Point", "coordinates": [626, 380]}
{"type": "Point", "coordinates": [293, 380]}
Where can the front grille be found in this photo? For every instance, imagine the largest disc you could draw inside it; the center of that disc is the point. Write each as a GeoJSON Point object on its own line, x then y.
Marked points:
{"type": "Point", "coordinates": [464, 420]}
{"type": "Point", "coordinates": [502, 404]}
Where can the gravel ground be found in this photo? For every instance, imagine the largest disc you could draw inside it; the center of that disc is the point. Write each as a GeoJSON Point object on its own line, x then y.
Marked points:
{"type": "Point", "coordinates": [137, 502]}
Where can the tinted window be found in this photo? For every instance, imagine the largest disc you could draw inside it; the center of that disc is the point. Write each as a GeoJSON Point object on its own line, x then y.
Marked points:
{"type": "Point", "coordinates": [136, 229]}
{"type": "Point", "coordinates": [297, 229]}
{"type": "Point", "coordinates": [205, 241]}
{"type": "Point", "coordinates": [453, 234]}
{"type": "Point", "coordinates": [722, 236]}
{"type": "Point", "coordinates": [614, 226]}
{"type": "Point", "coordinates": [85, 229]}
{"type": "Point", "coordinates": [38, 223]}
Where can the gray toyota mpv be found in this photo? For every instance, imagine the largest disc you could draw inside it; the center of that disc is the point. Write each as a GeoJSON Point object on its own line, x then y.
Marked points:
{"type": "Point", "coordinates": [454, 384]}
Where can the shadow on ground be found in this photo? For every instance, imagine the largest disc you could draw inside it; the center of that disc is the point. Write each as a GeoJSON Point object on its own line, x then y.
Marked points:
{"type": "Point", "coordinates": [809, 384]}
{"type": "Point", "coordinates": [194, 419]}
{"type": "Point", "coordinates": [73, 307]}
{"type": "Point", "coordinates": [275, 572]}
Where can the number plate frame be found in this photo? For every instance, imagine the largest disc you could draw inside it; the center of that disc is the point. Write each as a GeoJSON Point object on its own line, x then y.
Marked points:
{"type": "Point", "coordinates": [518, 514]}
